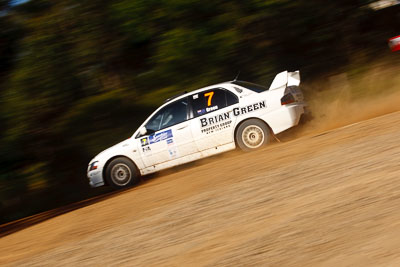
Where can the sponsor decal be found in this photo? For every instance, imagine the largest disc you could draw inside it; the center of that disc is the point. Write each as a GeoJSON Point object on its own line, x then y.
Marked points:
{"type": "Point", "coordinates": [224, 120]}
{"type": "Point", "coordinates": [216, 123]}
{"type": "Point", "coordinates": [211, 108]}
{"type": "Point", "coordinates": [172, 150]}
{"type": "Point", "coordinates": [146, 150]}
{"type": "Point", "coordinates": [161, 136]}
{"type": "Point", "coordinates": [217, 127]}
{"type": "Point", "coordinates": [201, 111]}
{"type": "Point", "coordinates": [249, 108]}
{"type": "Point", "coordinates": [215, 119]}
{"type": "Point", "coordinates": [144, 141]}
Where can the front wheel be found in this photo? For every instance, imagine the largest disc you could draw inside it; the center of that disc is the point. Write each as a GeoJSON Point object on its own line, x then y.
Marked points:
{"type": "Point", "coordinates": [121, 173]}
{"type": "Point", "coordinates": [252, 134]}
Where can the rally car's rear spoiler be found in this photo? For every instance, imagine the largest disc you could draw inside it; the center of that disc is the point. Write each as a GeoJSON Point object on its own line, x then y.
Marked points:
{"type": "Point", "coordinates": [285, 78]}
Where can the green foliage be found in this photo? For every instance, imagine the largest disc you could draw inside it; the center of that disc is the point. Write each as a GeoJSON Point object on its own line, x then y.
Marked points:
{"type": "Point", "coordinates": [79, 76]}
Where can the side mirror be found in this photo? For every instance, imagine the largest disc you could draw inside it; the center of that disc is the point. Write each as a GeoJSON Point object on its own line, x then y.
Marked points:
{"type": "Point", "coordinates": [142, 131]}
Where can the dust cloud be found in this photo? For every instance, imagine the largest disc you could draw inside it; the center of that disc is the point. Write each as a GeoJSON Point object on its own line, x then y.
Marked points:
{"type": "Point", "coordinates": [347, 101]}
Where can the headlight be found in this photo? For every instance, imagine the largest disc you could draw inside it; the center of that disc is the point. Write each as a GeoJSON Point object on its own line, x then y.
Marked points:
{"type": "Point", "coordinates": [93, 165]}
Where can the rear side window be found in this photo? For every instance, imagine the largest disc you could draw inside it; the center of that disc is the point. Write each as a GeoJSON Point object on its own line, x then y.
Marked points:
{"type": "Point", "coordinates": [231, 98]}
{"type": "Point", "coordinates": [212, 100]}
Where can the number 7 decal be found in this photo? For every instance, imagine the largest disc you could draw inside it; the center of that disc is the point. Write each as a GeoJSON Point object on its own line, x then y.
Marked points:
{"type": "Point", "coordinates": [209, 95]}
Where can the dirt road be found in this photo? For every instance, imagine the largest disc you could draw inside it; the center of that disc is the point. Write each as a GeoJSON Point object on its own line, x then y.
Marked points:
{"type": "Point", "coordinates": [330, 199]}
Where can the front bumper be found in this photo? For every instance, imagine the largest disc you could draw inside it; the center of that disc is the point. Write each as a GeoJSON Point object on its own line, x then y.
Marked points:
{"type": "Point", "coordinates": [95, 178]}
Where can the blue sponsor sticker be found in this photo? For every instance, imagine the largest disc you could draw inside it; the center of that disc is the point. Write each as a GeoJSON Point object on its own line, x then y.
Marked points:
{"type": "Point", "coordinates": [170, 141]}
{"type": "Point", "coordinates": [158, 137]}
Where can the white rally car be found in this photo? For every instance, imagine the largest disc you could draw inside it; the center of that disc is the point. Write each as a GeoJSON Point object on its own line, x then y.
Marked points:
{"type": "Point", "coordinates": [199, 124]}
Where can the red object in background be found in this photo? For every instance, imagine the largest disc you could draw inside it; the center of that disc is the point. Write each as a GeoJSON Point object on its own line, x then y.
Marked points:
{"type": "Point", "coordinates": [394, 43]}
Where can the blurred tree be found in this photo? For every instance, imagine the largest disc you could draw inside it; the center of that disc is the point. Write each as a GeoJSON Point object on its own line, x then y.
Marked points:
{"type": "Point", "coordinates": [75, 75]}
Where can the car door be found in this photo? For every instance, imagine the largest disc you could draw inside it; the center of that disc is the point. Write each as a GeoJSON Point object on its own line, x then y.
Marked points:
{"type": "Point", "coordinates": [213, 120]}
{"type": "Point", "coordinates": [168, 136]}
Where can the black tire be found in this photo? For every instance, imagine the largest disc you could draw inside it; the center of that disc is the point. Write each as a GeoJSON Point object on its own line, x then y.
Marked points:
{"type": "Point", "coordinates": [252, 134]}
{"type": "Point", "coordinates": [121, 173]}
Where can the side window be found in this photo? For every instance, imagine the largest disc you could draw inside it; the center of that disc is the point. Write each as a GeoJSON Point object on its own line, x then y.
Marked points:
{"type": "Point", "coordinates": [208, 101]}
{"type": "Point", "coordinates": [231, 98]}
{"type": "Point", "coordinates": [170, 115]}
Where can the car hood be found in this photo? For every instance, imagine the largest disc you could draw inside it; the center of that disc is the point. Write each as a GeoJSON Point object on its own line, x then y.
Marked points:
{"type": "Point", "coordinates": [115, 149]}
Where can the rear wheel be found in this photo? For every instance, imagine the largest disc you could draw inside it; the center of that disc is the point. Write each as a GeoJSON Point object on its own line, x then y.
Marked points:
{"type": "Point", "coordinates": [121, 173]}
{"type": "Point", "coordinates": [252, 134]}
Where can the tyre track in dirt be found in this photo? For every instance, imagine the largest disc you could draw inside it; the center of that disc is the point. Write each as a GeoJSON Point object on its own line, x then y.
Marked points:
{"type": "Point", "coordinates": [329, 199]}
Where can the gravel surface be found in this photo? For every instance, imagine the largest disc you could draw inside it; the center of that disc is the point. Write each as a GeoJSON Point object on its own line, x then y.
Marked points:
{"type": "Point", "coordinates": [330, 199]}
